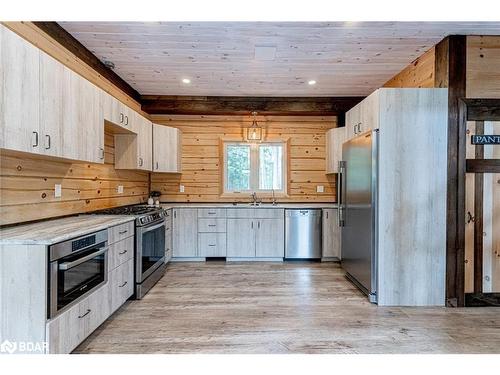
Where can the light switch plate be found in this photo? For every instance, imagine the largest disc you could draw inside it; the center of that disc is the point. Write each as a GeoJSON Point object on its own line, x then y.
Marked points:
{"type": "Point", "coordinates": [181, 188]}
{"type": "Point", "coordinates": [57, 191]}
{"type": "Point", "coordinates": [119, 189]}
{"type": "Point", "coordinates": [320, 189]}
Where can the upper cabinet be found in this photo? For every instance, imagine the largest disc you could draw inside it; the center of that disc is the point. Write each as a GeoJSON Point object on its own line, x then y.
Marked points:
{"type": "Point", "coordinates": [363, 117]}
{"type": "Point", "coordinates": [167, 145]}
{"type": "Point", "coordinates": [46, 108]}
{"type": "Point", "coordinates": [117, 113]}
{"type": "Point", "coordinates": [133, 151]}
{"type": "Point", "coordinates": [19, 94]}
{"type": "Point", "coordinates": [334, 139]}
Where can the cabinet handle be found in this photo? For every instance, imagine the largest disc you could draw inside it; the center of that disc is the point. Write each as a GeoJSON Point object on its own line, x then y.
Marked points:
{"type": "Point", "coordinates": [47, 144]}
{"type": "Point", "coordinates": [87, 313]}
{"type": "Point", "coordinates": [122, 252]}
{"type": "Point", "coordinates": [211, 245]}
{"type": "Point", "coordinates": [212, 213]}
{"type": "Point", "coordinates": [327, 214]}
{"type": "Point", "coordinates": [140, 162]}
{"type": "Point", "coordinates": [156, 165]}
{"type": "Point", "coordinates": [175, 214]}
{"type": "Point", "coordinates": [121, 118]}
{"type": "Point", "coordinates": [258, 224]}
{"type": "Point", "coordinates": [126, 120]}
{"type": "Point", "coordinates": [252, 224]}
{"type": "Point", "coordinates": [36, 139]}
{"type": "Point", "coordinates": [101, 153]}
{"type": "Point", "coordinates": [121, 286]}
{"type": "Point", "coordinates": [212, 225]}
{"type": "Point", "coordinates": [123, 231]}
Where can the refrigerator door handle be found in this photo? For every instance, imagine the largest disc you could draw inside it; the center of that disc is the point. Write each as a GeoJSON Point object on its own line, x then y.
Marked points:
{"type": "Point", "coordinates": [340, 192]}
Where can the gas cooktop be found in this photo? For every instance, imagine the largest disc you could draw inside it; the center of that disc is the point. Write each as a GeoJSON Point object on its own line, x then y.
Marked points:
{"type": "Point", "coordinates": [144, 214]}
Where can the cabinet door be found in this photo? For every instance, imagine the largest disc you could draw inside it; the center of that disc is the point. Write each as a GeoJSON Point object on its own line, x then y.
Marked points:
{"type": "Point", "coordinates": [166, 149]}
{"type": "Point", "coordinates": [270, 238]}
{"type": "Point", "coordinates": [185, 234]}
{"type": "Point", "coordinates": [52, 126]}
{"type": "Point", "coordinates": [352, 119]}
{"type": "Point", "coordinates": [331, 234]}
{"type": "Point", "coordinates": [212, 244]}
{"type": "Point", "coordinates": [19, 93]}
{"type": "Point", "coordinates": [241, 238]}
{"type": "Point", "coordinates": [121, 284]}
{"type": "Point", "coordinates": [83, 132]}
{"type": "Point", "coordinates": [99, 306]}
{"type": "Point", "coordinates": [334, 140]}
{"type": "Point", "coordinates": [144, 129]}
{"type": "Point", "coordinates": [369, 109]}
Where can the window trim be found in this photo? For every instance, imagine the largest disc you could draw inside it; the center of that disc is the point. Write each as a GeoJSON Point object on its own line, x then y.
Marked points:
{"type": "Point", "coordinates": [254, 169]}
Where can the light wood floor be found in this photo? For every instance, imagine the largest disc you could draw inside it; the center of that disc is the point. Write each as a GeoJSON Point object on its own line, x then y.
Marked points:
{"type": "Point", "coordinates": [283, 308]}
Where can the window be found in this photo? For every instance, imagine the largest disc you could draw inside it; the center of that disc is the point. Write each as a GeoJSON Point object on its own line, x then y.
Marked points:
{"type": "Point", "coordinates": [254, 167]}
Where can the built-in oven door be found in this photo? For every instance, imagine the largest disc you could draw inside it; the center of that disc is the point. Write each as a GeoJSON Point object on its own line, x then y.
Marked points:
{"type": "Point", "coordinates": [75, 275]}
{"type": "Point", "coordinates": [150, 249]}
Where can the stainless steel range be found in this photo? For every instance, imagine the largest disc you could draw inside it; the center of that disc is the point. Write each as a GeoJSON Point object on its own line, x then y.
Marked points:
{"type": "Point", "coordinates": [149, 244]}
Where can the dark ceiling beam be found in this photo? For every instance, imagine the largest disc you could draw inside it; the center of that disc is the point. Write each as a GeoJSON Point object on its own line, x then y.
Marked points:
{"type": "Point", "coordinates": [54, 30]}
{"type": "Point", "coordinates": [239, 105]}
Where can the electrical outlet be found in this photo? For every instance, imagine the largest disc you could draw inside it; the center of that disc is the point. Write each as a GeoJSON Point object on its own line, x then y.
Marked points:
{"type": "Point", "coordinates": [57, 191]}
{"type": "Point", "coordinates": [320, 189]}
{"type": "Point", "coordinates": [181, 188]}
{"type": "Point", "coordinates": [119, 189]}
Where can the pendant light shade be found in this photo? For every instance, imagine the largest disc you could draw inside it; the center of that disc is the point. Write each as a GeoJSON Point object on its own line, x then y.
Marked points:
{"type": "Point", "coordinates": [254, 132]}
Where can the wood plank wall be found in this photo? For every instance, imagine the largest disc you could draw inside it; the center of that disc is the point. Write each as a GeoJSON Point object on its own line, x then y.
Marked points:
{"type": "Point", "coordinates": [27, 186]}
{"type": "Point", "coordinates": [483, 67]}
{"type": "Point", "coordinates": [27, 182]}
{"type": "Point", "coordinates": [420, 73]}
{"type": "Point", "coordinates": [201, 166]}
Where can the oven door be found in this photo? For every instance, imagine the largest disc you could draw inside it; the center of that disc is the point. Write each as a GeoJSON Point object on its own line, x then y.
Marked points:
{"type": "Point", "coordinates": [150, 249]}
{"type": "Point", "coordinates": [76, 275]}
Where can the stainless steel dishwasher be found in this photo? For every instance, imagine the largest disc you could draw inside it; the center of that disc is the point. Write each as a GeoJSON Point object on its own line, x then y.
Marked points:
{"type": "Point", "coordinates": [303, 234]}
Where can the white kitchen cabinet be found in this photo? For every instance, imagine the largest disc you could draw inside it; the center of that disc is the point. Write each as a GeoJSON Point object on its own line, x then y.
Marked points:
{"type": "Point", "coordinates": [212, 245]}
{"type": "Point", "coordinates": [240, 238]}
{"type": "Point", "coordinates": [99, 308]}
{"type": "Point", "coordinates": [19, 94]}
{"type": "Point", "coordinates": [167, 147]}
{"type": "Point", "coordinates": [116, 112]}
{"type": "Point", "coordinates": [185, 232]}
{"type": "Point", "coordinates": [270, 238]}
{"type": "Point", "coordinates": [47, 109]}
{"type": "Point", "coordinates": [121, 284]}
{"type": "Point", "coordinates": [133, 151]}
{"type": "Point", "coordinates": [352, 120]}
{"type": "Point", "coordinates": [331, 234]}
{"type": "Point", "coordinates": [363, 117]}
{"type": "Point", "coordinates": [334, 139]}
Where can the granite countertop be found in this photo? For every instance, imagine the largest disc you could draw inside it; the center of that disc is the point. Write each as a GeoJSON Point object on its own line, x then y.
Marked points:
{"type": "Point", "coordinates": [49, 232]}
{"type": "Point", "coordinates": [166, 206]}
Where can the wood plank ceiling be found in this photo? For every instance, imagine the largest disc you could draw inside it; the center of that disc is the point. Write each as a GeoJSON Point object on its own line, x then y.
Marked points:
{"type": "Point", "coordinates": [262, 58]}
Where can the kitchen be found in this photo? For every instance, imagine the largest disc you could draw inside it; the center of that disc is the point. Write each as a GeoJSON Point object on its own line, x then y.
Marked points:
{"type": "Point", "coordinates": [146, 190]}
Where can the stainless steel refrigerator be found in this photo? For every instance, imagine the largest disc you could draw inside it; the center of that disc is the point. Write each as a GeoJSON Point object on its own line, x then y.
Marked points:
{"type": "Point", "coordinates": [358, 211]}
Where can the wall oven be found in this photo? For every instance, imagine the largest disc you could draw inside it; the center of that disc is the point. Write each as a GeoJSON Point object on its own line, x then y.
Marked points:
{"type": "Point", "coordinates": [76, 268]}
{"type": "Point", "coordinates": [150, 253]}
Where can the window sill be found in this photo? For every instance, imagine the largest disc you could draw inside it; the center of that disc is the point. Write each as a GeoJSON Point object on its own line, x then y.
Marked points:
{"type": "Point", "coordinates": [247, 196]}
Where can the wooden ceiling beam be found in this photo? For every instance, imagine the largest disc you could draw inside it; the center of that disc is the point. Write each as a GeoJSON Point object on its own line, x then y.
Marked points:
{"type": "Point", "coordinates": [54, 30]}
{"type": "Point", "coordinates": [237, 105]}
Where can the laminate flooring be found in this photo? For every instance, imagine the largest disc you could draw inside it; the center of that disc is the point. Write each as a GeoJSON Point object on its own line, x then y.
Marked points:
{"type": "Point", "coordinates": [291, 307]}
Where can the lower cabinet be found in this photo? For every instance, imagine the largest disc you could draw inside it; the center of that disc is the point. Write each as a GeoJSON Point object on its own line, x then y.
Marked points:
{"type": "Point", "coordinates": [240, 238]}
{"type": "Point", "coordinates": [168, 236]}
{"type": "Point", "coordinates": [121, 284]}
{"type": "Point", "coordinates": [212, 245]}
{"type": "Point", "coordinates": [185, 232]}
{"type": "Point", "coordinates": [255, 238]}
{"type": "Point", "coordinates": [331, 234]}
{"type": "Point", "coordinates": [68, 330]}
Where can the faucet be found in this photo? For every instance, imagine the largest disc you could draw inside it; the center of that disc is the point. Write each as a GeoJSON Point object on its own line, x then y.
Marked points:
{"type": "Point", "coordinates": [274, 199]}
{"type": "Point", "coordinates": [254, 198]}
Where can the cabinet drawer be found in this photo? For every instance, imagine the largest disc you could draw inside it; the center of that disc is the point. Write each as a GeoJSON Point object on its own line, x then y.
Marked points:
{"type": "Point", "coordinates": [211, 212]}
{"type": "Point", "coordinates": [120, 232]}
{"type": "Point", "coordinates": [212, 225]}
{"type": "Point", "coordinates": [212, 244]}
{"type": "Point", "coordinates": [121, 284]}
{"type": "Point", "coordinates": [68, 330]}
{"type": "Point", "coordinates": [120, 252]}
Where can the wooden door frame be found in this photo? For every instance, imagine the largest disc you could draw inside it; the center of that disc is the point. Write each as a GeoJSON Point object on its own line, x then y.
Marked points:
{"type": "Point", "coordinates": [478, 110]}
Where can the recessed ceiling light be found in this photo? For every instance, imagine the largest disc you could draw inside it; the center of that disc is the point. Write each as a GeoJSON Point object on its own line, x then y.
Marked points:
{"type": "Point", "coordinates": [312, 82]}
{"type": "Point", "coordinates": [186, 80]}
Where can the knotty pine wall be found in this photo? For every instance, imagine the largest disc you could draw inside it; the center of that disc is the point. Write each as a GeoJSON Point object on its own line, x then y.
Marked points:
{"type": "Point", "coordinates": [201, 156]}
{"type": "Point", "coordinates": [420, 73]}
{"type": "Point", "coordinates": [27, 186]}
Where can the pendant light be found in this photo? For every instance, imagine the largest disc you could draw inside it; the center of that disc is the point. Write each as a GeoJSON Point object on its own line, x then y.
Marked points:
{"type": "Point", "coordinates": [254, 132]}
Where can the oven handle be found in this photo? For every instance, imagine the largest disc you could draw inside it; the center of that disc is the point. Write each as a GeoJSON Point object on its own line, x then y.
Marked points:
{"type": "Point", "coordinates": [68, 265]}
{"type": "Point", "coordinates": [149, 229]}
